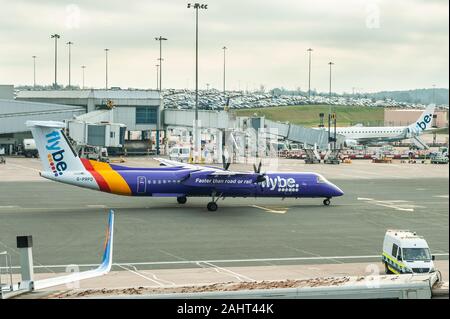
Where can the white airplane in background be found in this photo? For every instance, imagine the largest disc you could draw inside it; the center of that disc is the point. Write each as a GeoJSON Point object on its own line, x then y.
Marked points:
{"type": "Point", "coordinates": [355, 135]}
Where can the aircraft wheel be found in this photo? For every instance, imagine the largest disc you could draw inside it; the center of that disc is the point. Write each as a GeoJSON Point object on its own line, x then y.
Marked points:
{"type": "Point", "coordinates": [386, 269]}
{"type": "Point", "coordinates": [326, 201]}
{"type": "Point", "coordinates": [212, 206]}
{"type": "Point", "coordinates": [182, 200]}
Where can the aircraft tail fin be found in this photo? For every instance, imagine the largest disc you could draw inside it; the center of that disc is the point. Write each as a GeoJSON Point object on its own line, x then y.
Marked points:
{"type": "Point", "coordinates": [56, 152]}
{"type": "Point", "coordinates": [424, 122]}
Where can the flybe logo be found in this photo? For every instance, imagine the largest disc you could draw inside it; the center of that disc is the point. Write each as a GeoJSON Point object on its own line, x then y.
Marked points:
{"type": "Point", "coordinates": [423, 124]}
{"type": "Point", "coordinates": [56, 153]}
{"type": "Point", "coordinates": [281, 184]}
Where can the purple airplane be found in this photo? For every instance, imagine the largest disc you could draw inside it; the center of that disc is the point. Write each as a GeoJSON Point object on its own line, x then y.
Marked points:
{"type": "Point", "coordinates": [172, 179]}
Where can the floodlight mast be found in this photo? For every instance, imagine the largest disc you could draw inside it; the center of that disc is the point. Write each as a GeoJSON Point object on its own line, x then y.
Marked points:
{"type": "Point", "coordinates": [197, 139]}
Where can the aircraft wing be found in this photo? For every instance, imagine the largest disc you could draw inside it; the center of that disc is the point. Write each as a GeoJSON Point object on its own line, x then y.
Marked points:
{"type": "Point", "coordinates": [171, 163]}
{"type": "Point", "coordinates": [230, 173]}
{"type": "Point", "coordinates": [101, 270]}
{"type": "Point", "coordinates": [213, 171]}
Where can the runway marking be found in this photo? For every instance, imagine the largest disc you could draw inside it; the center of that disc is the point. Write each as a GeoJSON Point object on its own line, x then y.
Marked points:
{"type": "Point", "coordinates": [397, 204]}
{"type": "Point", "coordinates": [438, 196]}
{"type": "Point", "coordinates": [195, 262]}
{"type": "Point", "coordinates": [270, 210]}
{"type": "Point", "coordinates": [310, 253]}
{"type": "Point", "coordinates": [10, 206]}
{"type": "Point", "coordinates": [141, 275]}
{"type": "Point", "coordinates": [396, 207]}
{"type": "Point", "coordinates": [229, 272]}
{"type": "Point", "coordinates": [171, 255]}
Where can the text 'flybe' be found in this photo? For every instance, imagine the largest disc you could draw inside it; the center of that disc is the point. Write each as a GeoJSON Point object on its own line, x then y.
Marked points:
{"type": "Point", "coordinates": [56, 155]}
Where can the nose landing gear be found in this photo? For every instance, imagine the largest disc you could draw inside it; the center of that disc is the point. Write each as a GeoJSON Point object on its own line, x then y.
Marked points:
{"type": "Point", "coordinates": [326, 202]}
{"type": "Point", "coordinates": [212, 206]}
{"type": "Point", "coordinates": [182, 200]}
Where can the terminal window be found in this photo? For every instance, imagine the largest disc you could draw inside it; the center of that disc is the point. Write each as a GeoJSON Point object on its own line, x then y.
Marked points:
{"type": "Point", "coordinates": [146, 115]}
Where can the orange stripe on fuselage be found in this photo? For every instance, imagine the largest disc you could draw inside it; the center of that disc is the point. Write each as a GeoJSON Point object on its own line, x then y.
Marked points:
{"type": "Point", "coordinates": [98, 178]}
{"type": "Point", "coordinates": [116, 183]}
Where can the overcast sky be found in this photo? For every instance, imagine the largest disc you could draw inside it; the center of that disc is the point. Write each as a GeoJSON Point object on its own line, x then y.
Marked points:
{"type": "Point", "coordinates": [375, 44]}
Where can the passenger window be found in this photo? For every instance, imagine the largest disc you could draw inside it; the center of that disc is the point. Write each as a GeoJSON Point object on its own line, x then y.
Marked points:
{"type": "Point", "coordinates": [394, 250]}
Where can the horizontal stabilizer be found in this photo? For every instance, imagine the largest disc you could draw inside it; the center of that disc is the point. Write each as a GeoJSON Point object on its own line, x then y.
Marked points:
{"type": "Point", "coordinates": [53, 124]}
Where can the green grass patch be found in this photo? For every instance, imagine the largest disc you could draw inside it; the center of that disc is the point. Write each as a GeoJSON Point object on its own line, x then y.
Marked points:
{"type": "Point", "coordinates": [308, 115]}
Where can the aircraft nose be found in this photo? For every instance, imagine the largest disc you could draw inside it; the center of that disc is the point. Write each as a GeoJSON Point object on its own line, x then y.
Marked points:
{"type": "Point", "coordinates": [336, 191]}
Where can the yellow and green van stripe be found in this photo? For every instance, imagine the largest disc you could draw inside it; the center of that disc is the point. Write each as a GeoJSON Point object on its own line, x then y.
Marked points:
{"type": "Point", "coordinates": [394, 265]}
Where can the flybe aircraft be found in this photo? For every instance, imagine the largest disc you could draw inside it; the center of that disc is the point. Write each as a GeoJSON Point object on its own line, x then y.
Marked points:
{"type": "Point", "coordinates": [362, 135]}
{"type": "Point", "coordinates": [172, 179]}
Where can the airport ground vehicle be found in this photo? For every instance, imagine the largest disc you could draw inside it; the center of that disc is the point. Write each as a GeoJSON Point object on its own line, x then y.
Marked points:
{"type": "Point", "coordinates": [180, 153]}
{"type": "Point", "coordinates": [405, 252]}
{"type": "Point", "coordinates": [440, 157]}
{"type": "Point", "coordinates": [29, 148]}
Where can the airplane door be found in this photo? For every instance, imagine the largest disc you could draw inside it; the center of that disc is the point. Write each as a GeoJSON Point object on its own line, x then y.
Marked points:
{"type": "Point", "coordinates": [141, 184]}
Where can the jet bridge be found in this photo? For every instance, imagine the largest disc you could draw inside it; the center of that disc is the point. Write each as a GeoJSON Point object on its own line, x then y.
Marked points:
{"type": "Point", "coordinates": [317, 138]}
{"type": "Point", "coordinates": [225, 120]}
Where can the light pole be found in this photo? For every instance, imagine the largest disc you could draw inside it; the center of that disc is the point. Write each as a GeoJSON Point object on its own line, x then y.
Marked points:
{"type": "Point", "coordinates": [434, 93]}
{"type": "Point", "coordinates": [106, 73]}
{"type": "Point", "coordinates": [160, 39]}
{"type": "Point", "coordinates": [309, 73]}
{"type": "Point", "coordinates": [197, 140]}
{"type": "Point", "coordinates": [82, 68]}
{"type": "Point", "coordinates": [69, 44]}
{"type": "Point", "coordinates": [330, 64]}
{"type": "Point", "coordinates": [34, 71]}
{"type": "Point", "coordinates": [56, 37]}
{"type": "Point", "coordinates": [224, 55]}
{"type": "Point", "coordinates": [157, 77]}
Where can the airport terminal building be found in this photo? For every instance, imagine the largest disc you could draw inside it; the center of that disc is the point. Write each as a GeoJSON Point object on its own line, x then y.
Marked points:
{"type": "Point", "coordinates": [138, 110]}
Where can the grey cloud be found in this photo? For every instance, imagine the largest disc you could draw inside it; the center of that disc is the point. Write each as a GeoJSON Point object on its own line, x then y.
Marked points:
{"type": "Point", "coordinates": [254, 30]}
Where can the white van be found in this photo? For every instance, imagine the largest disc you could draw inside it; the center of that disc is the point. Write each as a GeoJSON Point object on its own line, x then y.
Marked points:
{"type": "Point", "coordinates": [180, 153]}
{"type": "Point", "coordinates": [29, 148]}
{"type": "Point", "coordinates": [405, 252]}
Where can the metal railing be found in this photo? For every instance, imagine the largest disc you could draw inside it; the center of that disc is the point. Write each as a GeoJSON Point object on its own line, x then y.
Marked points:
{"type": "Point", "coordinates": [6, 281]}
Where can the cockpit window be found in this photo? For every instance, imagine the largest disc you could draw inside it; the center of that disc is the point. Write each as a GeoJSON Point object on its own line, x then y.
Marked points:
{"type": "Point", "coordinates": [321, 179]}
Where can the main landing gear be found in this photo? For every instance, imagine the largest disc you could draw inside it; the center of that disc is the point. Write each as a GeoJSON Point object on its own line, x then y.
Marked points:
{"type": "Point", "coordinates": [326, 202]}
{"type": "Point", "coordinates": [212, 206]}
{"type": "Point", "coordinates": [182, 200]}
